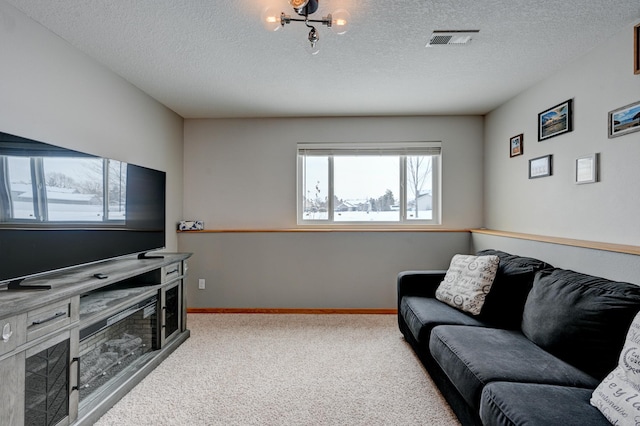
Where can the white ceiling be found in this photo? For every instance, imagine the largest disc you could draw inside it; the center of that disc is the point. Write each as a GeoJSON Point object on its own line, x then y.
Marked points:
{"type": "Point", "coordinates": [208, 59]}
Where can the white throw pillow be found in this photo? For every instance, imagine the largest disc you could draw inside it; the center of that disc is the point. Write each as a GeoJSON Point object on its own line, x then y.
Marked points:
{"type": "Point", "coordinates": [618, 396]}
{"type": "Point", "coordinates": [468, 281]}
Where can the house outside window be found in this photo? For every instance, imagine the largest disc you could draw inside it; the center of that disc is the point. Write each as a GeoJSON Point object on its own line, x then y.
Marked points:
{"type": "Point", "coordinates": [62, 189]}
{"type": "Point", "coordinates": [369, 183]}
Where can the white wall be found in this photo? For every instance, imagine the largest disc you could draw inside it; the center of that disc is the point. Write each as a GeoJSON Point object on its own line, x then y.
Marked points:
{"type": "Point", "coordinates": [606, 211]}
{"type": "Point", "coordinates": [51, 92]}
{"type": "Point", "coordinates": [241, 174]}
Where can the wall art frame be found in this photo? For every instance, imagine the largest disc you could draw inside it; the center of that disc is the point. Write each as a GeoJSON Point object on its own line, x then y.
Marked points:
{"type": "Point", "coordinates": [556, 120]}
{"type": "Point", "coordinates": [624, 120]}
{"type": "Point", "coordinates": [636, 49]}
{"type": "Point", "coordinates": [516, 145]}
{"type": "Point", "coordinates": [587, 169]}
{"type": "Point", "coordinates": [541, 166]}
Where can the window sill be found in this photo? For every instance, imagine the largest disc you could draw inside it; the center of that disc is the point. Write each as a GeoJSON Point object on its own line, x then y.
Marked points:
{"type": "Point", "coordinates": [328, 229]}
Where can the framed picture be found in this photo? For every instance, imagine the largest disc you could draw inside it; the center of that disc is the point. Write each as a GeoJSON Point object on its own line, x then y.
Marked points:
{"type": "Point", "coordinates": [515, 145]}
{"type": "Point", "coordinates": [636, 49]}
{"type": "Point", "coordinates": [624, 120]}
{"type": "Point", "coordinates": [587, 169]}
{"type": "Point", "coordinates": [556, 120]}
{"type": "Point", "coordinates": [540, 167]}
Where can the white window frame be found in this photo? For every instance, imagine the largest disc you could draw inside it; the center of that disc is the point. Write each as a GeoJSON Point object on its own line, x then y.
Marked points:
{"type": "Point", "coordinates": [40, 199]}
{"type": "Point", "coordinates": [402, 149]}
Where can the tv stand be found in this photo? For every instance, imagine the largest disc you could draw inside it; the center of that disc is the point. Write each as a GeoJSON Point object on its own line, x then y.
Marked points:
{"type": "Point", "coordinates": [17, 285]}
{"type": "Point", "coordinates": [104, 326]}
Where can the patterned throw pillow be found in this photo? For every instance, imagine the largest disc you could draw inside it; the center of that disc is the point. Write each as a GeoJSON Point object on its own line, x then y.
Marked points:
{"type": "Point", "coordinates": [618, 396]}
{"type": "Point", "coordinates": [468, 281]}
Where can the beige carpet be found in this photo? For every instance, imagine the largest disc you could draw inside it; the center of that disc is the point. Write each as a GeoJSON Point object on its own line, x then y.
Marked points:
{"type": "Point", "coordinates": [258, 369]}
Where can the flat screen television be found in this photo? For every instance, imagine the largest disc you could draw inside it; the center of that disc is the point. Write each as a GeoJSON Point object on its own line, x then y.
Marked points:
{"type": "Point", "coordinates": [61, 208]}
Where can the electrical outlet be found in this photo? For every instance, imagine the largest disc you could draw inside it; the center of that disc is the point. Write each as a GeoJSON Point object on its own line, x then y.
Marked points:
{"type": "Point", "coordinates": [201, 283]}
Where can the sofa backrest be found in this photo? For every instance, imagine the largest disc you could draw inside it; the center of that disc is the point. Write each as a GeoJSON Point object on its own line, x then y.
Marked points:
{"type": "Point", "coordinates": [504, 304]}
{"type": "Point", "coordinates": [580, 318]}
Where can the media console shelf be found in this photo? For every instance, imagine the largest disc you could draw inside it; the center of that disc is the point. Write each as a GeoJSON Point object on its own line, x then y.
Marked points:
{"type": "Point", "coordinates": [69, 353]}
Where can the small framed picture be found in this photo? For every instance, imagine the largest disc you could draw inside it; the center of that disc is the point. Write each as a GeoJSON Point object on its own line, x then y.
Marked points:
{"type": "Point", "coordinates": [515, 145]}
{"type": "Point", "coordinates": [540, 167]}
{"type": "Point", "coordinates": [587, 169]}
{"type": "Point", "coordinates": [556, 120]}
{"type": "Point", "coordinates": [636, 49]}
{"type": "Point", "coordinates": [624, 120]}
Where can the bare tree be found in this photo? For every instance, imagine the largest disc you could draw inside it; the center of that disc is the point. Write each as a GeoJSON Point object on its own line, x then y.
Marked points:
{"type": "Point", "coordinates": [418, 168]}
{"type": "Point", "coordinates": [60, 180]}
{"type": "Point", "coordinates": [314, 203]}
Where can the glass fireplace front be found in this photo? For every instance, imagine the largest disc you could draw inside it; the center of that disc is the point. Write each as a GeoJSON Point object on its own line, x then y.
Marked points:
{"type": "Point", "coordinates": [112, 345]}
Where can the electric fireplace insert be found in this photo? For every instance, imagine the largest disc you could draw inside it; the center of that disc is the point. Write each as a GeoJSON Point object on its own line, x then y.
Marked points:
{"type": "Point", "coordinates": [114, 341]}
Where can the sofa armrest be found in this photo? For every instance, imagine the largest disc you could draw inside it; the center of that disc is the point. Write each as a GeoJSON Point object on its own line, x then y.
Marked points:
{"type": "Point", "coordinates": [419, 283]}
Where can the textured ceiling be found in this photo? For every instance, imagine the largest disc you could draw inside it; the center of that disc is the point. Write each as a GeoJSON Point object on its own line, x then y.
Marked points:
{"type": "Point", "coordinates": [214, 59]}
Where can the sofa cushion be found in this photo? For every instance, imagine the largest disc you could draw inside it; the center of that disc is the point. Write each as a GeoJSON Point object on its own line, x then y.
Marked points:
{"type": "Point", "coordinates": [504, 304]}
{"type": "Point", "coordinates": [467, 282]}
{"type": "Point", "coordinates": [617, 397]}
{"type": "Point", "coordinates": [515, 404]}
{"type": "Point", "coordinates": [580, 318]}
{"type": "Point", "coordinates": [472, 357]}
{"type": "Point", "coordinates": [421, 314]}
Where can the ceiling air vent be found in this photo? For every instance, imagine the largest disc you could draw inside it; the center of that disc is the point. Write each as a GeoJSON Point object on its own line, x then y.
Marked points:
{"type": "Point", "coordinates": [447, 37]}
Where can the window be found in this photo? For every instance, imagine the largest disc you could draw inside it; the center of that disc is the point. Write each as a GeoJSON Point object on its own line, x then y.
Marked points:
{"type": "Point", "coordinates": [62, 189]}
{"type": "Point", "coordinates": [397, 183]}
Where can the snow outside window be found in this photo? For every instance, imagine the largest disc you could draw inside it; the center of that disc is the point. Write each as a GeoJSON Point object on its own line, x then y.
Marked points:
{"type": "Point", "coordinates": [62, 189]}
{"type": "Point", "coordinates": [372, 183]}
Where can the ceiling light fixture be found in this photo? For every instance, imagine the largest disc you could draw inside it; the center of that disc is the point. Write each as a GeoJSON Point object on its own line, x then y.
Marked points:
{"type": "Point", "coordinates": [338, 21]}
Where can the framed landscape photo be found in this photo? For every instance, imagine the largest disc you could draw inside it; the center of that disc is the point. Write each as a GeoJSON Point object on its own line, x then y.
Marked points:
{"type": "Point", "coordinates": [540, 167]}
{"type": "Point", "coordinates": [556, 120]}
{"type": "Point", "coordinates": [515, 145]}
{"type": "Point", "coordinates": [624, 120]}
{"type": "Point", "coordinates": [587, 169]}
{"type": "Point", "coordinates": [636, 49]}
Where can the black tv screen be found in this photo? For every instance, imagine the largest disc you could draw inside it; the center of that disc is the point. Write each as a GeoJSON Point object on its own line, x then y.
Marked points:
{"type": "Point", "coordinates": [61, 208]}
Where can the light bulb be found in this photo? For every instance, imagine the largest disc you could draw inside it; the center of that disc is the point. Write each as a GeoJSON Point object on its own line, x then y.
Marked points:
{"type": "Point", "coordinates": [340, 20]}
{"type": "Point", "coordinates": [297, 4]}
{"type": "Point", "coordinates": [312, 48]}
{"type": "Point", "coordinates": [271, 19]}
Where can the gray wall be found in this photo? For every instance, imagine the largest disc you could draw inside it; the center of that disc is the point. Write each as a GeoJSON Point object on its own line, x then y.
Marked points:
{"type": "Point", "coordinates": [310, 269]}
{"type": "Point", "coordinates": [241, 174]}
{"type": "Point", "coordinates": [607, 264]}
{"type": "Point", "coordinates": [51, 92]}
{"type": "Point", "coordinates": [606, 211]}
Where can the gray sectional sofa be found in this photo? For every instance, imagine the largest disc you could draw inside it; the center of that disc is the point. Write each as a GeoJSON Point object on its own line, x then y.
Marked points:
{"type": "Point", "coordinates": [544, 339]}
